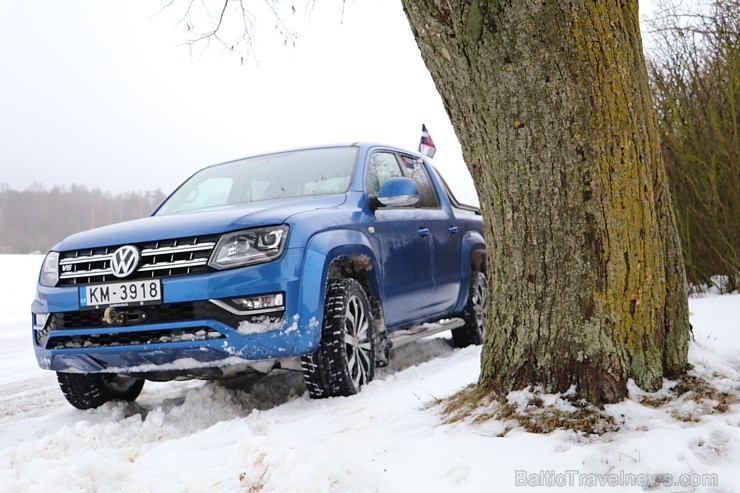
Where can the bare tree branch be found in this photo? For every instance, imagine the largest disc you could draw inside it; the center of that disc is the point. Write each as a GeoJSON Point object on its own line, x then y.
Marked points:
{"type": "Point", "coordinates": [233, 24]}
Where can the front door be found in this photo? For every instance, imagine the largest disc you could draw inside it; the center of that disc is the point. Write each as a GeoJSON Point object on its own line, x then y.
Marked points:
{"type": "Point", "coordinates": [405, 247]}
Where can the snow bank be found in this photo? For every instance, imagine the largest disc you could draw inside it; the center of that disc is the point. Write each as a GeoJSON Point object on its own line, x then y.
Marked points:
{"type": "Point", "coordinates": [199, 436]}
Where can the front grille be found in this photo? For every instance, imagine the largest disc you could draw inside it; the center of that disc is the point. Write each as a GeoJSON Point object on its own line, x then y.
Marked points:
{"type": "Point", "coordinates": [133, 338]}
{"type": "Point", "coordinates": [40, 335]}
{"type": "Point", "coordinates": [163, 258]}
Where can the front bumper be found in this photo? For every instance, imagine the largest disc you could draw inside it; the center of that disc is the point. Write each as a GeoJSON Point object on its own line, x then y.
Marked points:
{"type": "Point", "coordinates": [186, 331]}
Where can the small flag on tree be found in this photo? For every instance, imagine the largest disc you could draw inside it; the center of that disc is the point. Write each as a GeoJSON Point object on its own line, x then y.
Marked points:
{"type": "Point", "coordinates": [426, 145]}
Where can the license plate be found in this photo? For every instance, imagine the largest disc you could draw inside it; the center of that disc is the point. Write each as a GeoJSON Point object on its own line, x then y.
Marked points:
{"type": "Point", "coordinates": [121, 294]}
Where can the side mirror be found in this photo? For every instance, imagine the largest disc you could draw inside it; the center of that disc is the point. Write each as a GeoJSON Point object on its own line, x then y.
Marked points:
{"type": "Point", "coordinates": [396, 192]}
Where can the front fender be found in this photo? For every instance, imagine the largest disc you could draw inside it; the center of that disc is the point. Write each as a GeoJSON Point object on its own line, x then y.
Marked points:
{"type": "Point", "coordinates": [322, 250]}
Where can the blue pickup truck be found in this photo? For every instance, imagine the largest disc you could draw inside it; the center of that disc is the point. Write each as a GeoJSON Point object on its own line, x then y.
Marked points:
{"type": "Point", "coordinates": [318, 260]}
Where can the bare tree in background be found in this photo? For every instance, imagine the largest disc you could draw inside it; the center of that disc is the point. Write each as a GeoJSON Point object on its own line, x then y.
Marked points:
{"type": "Point", "coordinates": [232, 25]}
{"type": "Point", "coordinates": [694, 68]}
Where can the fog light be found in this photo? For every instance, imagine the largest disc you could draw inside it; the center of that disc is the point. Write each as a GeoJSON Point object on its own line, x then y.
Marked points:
{"type": "Point", "coordinates": [253, 305]}
{"type": "Point", "coordinates": [39, 320]}
{"type": "Point", "coordinates": [259, 302]}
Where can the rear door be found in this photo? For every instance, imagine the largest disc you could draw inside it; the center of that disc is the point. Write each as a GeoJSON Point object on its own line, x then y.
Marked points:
{"type": "Point", "coordinates": [443, 238]}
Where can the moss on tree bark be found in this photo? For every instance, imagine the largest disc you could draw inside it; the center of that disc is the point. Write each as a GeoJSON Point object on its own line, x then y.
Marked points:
{"type": "Point", "coordinates": [550, 102]}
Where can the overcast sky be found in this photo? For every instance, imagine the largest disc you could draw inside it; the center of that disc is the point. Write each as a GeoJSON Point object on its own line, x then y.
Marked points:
{"type": "Point", "coordinates": [103, 93]}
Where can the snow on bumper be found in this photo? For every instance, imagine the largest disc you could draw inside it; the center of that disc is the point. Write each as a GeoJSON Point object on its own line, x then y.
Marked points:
{"type": "Point", "coordinates": [218, 345]}
{"type": "Point", "coordinates": [193, 328]}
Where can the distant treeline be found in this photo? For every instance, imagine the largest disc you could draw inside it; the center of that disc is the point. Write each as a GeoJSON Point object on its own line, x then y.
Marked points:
{"type": "Point", "coordinates": [35, 219]}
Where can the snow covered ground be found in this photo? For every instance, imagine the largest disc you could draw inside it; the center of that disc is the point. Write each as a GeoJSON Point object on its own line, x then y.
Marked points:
{"type": "Point", "coordinates": [199, 436]}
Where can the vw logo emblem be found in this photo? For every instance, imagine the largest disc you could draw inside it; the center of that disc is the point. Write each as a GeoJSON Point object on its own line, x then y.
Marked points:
{"type": "Point", "coordinates": [124, 261]}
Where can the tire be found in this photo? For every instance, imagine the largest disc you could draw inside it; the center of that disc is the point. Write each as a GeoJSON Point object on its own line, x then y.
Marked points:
{"type": "Point", "coordinates": [474, 314]}
{"type": "Point", "coordinates": [345, 359]}
{"type": "Point", "coordinates": [91, 390]}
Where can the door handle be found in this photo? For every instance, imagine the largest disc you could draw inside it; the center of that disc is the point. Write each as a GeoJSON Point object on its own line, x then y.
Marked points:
{"type": "Point", "coordinates": [452, 229]}
{"type": "Point", "coordinates": [423, 231]}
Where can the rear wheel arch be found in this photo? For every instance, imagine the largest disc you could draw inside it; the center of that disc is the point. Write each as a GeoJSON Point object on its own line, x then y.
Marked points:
{"type": "Point", "coordinates": [478, 260]}
{"type": "Point", "coordinates": [472, 260]}
{"type": "Point", "coordinates": [474, 314]}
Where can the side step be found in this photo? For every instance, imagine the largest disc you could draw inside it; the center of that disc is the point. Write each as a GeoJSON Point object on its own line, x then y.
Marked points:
{"type": "Point", "coordinates": [399, 338]}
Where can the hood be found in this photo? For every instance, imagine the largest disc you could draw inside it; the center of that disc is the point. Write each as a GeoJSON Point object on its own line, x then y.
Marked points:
{"type": "Point", "coordinates": [222, 220]}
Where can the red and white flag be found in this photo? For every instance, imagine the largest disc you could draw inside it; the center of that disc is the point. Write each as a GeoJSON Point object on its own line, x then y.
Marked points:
{"type": "Point", "coordinates": [426, 145]}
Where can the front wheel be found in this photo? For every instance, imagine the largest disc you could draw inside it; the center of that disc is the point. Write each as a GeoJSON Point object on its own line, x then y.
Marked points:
{"type": "Point", "coordinates": [345, 358]}
{"type": "Point", "coordinates": [90, 390]}
{"type": "Point", "coordinates": [475, 313]}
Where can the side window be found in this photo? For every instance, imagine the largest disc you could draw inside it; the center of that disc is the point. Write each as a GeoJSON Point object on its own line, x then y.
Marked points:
{"type": "Point", "coordinates": [414, 168]}
{"type": "Point", "coordinates": [383, 165]}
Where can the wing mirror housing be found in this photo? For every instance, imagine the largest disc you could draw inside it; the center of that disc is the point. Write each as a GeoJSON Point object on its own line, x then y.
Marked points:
{"type": "Point", "coordinates": [396, 192]}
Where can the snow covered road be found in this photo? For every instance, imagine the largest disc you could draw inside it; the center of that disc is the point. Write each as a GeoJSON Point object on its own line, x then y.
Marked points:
{"type": "Point", "coordinates": [200, 436]}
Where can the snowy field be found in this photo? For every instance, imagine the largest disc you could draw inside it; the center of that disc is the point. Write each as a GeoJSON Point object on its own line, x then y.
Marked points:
{"type": "Point", "coordinates": [202, 437]}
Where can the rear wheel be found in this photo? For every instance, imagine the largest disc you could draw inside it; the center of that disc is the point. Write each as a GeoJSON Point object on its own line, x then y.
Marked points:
{"type": "Point", "coordinates": [345, 359]}
{"type": "Point", "coordinates": [90, 390]}
{"type": "Point", "coordinates": [475, 313]}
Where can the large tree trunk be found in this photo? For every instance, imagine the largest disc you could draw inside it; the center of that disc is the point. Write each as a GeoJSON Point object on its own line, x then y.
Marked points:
{"type": "Point", "coordinates": [550, 102]}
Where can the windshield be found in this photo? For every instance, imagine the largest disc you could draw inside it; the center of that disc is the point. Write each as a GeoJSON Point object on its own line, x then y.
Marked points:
{"type": "Point", "coordinates": [274, 176]}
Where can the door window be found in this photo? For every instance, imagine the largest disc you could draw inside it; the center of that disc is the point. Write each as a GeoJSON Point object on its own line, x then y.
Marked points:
{"type": "Point", "coordinates": [383, 165]}
{"type": "Point", "coordinates": [414, 168]}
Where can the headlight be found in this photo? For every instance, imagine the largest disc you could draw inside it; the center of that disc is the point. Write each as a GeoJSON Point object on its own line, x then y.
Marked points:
{"type": "Point", "coordinates": [250, 246]}
{"type": "Point", "coordinates": [50, 270]}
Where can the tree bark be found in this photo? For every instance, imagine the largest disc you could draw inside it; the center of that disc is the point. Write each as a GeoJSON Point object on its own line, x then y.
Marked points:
{"type": "Point", "coordinates": [550, 102]}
